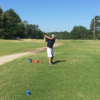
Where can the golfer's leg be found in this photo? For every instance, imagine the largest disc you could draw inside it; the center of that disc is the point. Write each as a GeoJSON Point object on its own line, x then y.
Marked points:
{"type": "Point", "coordinates": [50, 59]}
{"type": "Point", "coordinates": [52, 55]}
{"type": "Point", "coordinates": [49, 52]}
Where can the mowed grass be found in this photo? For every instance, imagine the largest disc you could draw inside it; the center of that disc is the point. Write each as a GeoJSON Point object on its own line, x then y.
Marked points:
{"type": "Point", "coordinates": [75, 74]}
{"type": "Point", "coordinates": [8, 47]}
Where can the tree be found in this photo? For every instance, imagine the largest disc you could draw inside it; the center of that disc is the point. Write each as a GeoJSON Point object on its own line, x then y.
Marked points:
{"type": "Point", "coordinates": [12, 27]}
{"type": "Point", "coordinates": [25, 22]}
{"type": "Point", "coordinates": [20, 30]}
{"type": "Point", "coordinates": [2, 31]}
{"type": "Point", "coordinates": [33, 31]}
{"type": "Point", "coordinates": [26, 30]}
{"type": "Point", "coordinates": [79, 32]}
{"type": "Point", "coordinates": [95, 21]}
{"type": "Point", "coordinates": [60, 35]}
{"type": "Point", "coordinates": [12, 19]}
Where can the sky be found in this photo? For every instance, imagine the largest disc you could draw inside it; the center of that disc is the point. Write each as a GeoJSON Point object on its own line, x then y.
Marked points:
{"type": "Point", "coordinates": [55, 15]}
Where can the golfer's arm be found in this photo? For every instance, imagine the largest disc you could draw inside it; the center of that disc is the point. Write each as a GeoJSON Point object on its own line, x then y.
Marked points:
{"type": "Point", "coordinates": [44, 39]}
{"type": "Point", "coordinates": [48, 37]}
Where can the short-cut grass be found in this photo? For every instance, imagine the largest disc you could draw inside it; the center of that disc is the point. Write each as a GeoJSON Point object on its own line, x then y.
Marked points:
{"type": "Point", "coordinates": [75, 74]}
{"type": "Point", "coordinates": [8, 47]}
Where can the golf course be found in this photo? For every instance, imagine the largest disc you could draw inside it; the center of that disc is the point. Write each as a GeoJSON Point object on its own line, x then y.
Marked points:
{"type": "Point", "coordinates": [75, 74]}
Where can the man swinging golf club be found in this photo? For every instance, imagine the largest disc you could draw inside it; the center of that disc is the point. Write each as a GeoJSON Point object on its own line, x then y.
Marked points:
{"type": "Point", "coordinates": [50, 41]}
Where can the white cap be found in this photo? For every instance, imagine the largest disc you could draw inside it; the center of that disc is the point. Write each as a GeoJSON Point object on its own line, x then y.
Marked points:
{"type": "Point", "coordinates": [53, 35]}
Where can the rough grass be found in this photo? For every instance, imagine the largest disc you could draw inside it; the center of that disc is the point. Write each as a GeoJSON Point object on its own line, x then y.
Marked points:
{"type": "Point", "coordinates": [8, 47]}
{"type": "Point", "coordinates": [75, 74]}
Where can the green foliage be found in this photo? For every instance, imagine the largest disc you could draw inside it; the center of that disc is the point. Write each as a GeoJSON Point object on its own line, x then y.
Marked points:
{"type": "Point", "coordinates": [1, 11]}
{"type": "Point", "coordinates": [1, 21]}
{"type": "Point", "coordinates": [60, 35]}
{"type": "Point", "coordinates": [33, 31]}
{"type": "Point", "coordinates": [79, 32]}
{"type": "Point", "coordinates": [12, 27]}
{"type": "Point", "coordinates": [96, 21]}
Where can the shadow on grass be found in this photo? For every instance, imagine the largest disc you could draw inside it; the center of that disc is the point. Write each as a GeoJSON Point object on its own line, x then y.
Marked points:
{"type": "Point", "coordinates": [58, 61]}
{"type": "Point", "coordinates": [30, 93]}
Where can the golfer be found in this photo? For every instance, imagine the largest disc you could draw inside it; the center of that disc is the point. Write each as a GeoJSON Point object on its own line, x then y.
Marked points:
{"type": "Point", "coordinates": [50, 41]}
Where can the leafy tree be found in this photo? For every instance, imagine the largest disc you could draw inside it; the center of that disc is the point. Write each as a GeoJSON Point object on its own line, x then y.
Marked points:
{"type": "Point", "coordinates": [96, 21]}
{"type": "Point", "coordinates": [26, 26]}
{"type": "Point", "coordinates": [25, 22]}
{"type": "Point", "coordinates": [79, 32]}
{"type": "Point", "coordinates": [60, 35]}
{"type": "Point", "coordinates": [1, 11]}
{"type": "Point", "coordinates": [2, 31]}
{"type": "Point", "coordinates": [12, 21]}
{"type": "Point", "coordinates": [34, 31]}
{"type": "Point", "coordinates": [20, 32]}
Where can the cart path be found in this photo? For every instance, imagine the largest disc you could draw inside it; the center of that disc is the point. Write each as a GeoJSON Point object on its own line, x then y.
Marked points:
{"type": "Point", "coordinates": [7, 58]}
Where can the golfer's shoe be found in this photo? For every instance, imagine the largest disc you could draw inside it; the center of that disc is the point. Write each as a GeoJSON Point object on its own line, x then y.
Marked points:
{"type": "Point", "coordinates": [49, 63]}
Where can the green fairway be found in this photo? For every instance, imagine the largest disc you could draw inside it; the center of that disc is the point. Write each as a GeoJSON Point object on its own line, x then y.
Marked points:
{"type": "Point", "coordinates": [75, 74]}
{"type": "Point", "coordinates": [17, 46]}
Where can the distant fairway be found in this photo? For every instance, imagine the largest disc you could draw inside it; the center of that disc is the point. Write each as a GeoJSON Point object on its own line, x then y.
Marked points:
{"type": "Point", "coordinates": [8, 47]}
{"type": "Point", "coordinates": [75, 74]}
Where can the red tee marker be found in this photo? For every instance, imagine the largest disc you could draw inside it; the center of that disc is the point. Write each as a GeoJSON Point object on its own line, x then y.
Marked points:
{"type": "Point", "coordinates": [35, 61]}
{"type": "Point", "coordinates": [41, 61]}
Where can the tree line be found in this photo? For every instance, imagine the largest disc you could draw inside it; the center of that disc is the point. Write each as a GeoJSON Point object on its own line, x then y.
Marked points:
{"type": "Point", "coordinates": [80, 32]}
{"type": "Point", "coordinates": [12, 27]}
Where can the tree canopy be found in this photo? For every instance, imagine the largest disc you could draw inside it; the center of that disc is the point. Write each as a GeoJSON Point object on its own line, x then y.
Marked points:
{"type": "Point", "coordinates": [95, 22]}
{"type": "Point", "coordinates": [11, 27]}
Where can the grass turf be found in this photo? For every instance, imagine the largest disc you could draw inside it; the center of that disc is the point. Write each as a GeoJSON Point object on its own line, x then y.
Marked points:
{"type": "Point", "coordinates": [74, 75]}
{"type": "Point", "coordinates": [8, 47]}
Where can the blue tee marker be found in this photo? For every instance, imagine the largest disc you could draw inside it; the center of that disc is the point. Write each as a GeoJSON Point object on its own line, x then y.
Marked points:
{"type": "Point", "coordinates": [28, 92]}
